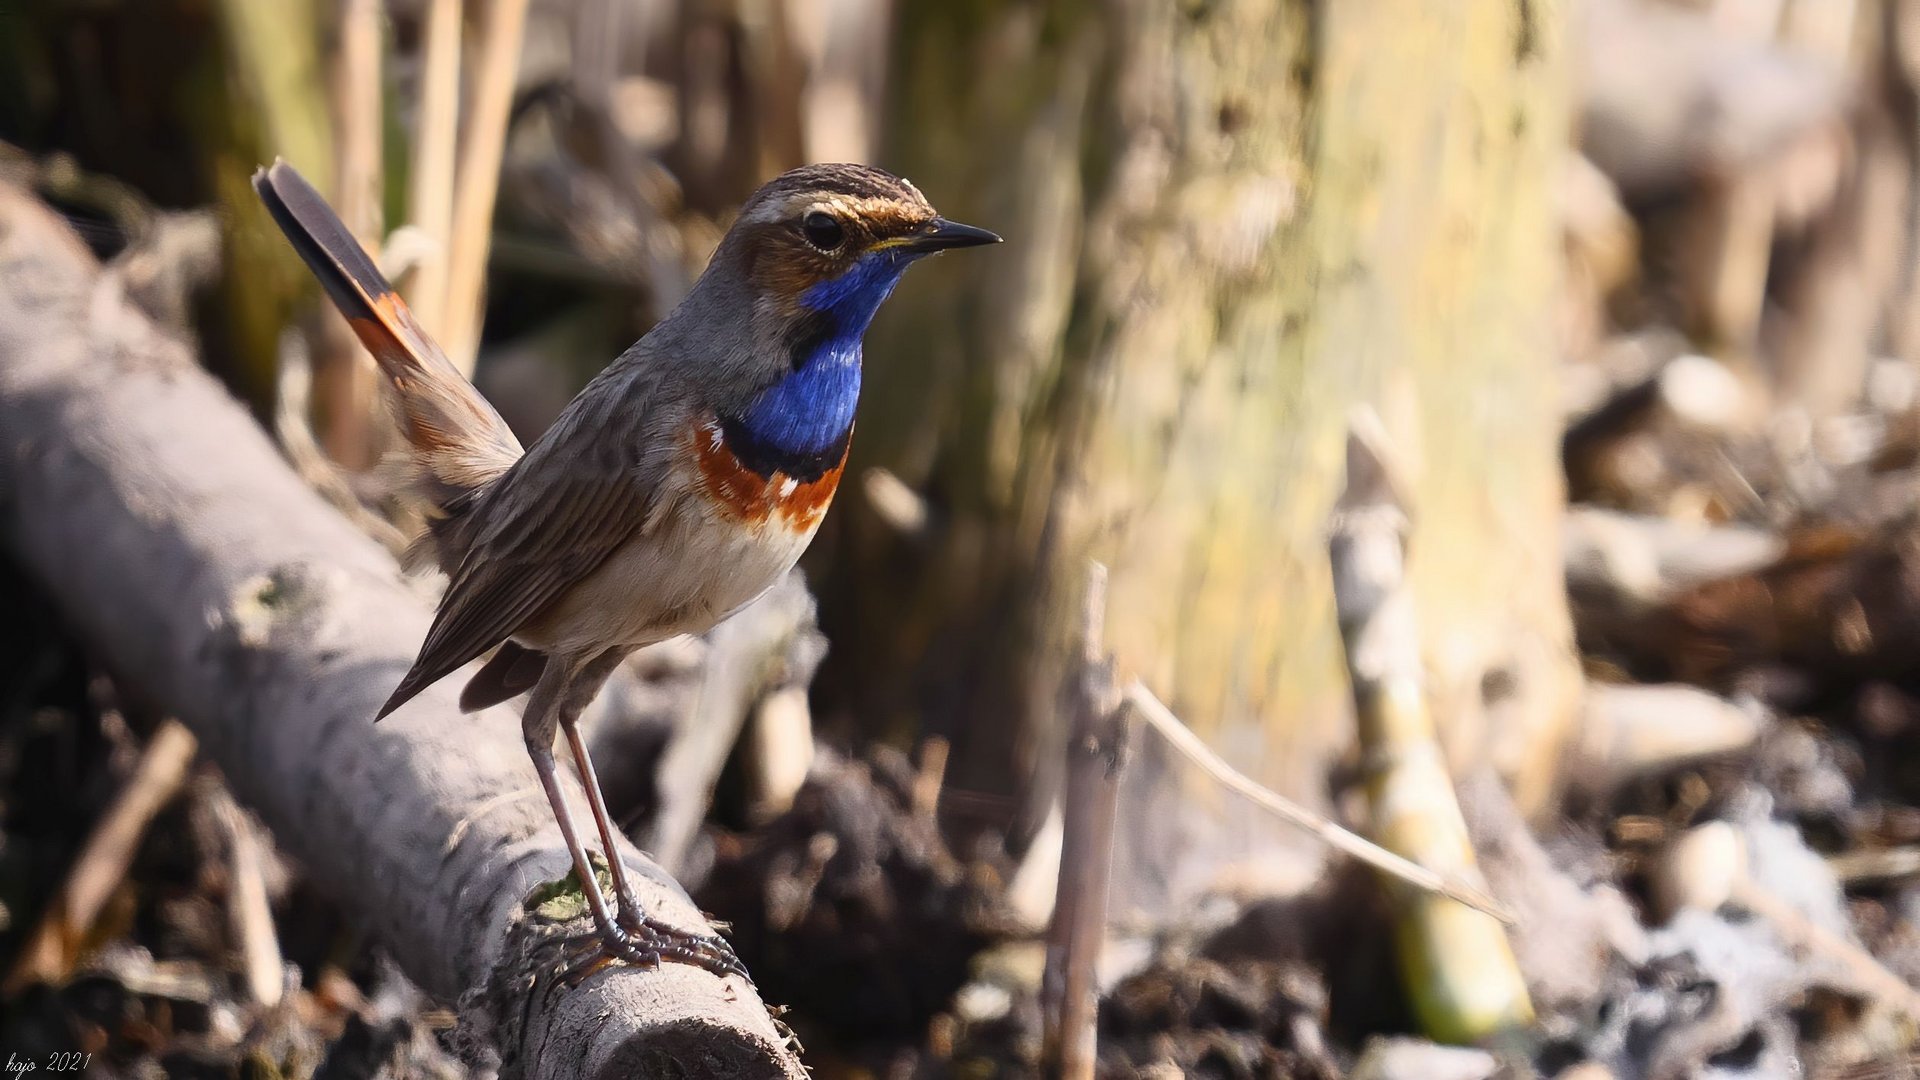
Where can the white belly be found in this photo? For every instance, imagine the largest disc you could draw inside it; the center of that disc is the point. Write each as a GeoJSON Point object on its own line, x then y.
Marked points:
{"type": "Point", "coordinates": [691, 570]}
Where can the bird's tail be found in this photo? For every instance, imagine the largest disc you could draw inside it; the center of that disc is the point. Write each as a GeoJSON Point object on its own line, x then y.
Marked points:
{"type": "Point", "coordinates": [459, 443]}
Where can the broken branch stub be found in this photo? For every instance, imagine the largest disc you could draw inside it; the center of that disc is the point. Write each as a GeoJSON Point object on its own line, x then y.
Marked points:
{"type": "Point", "coordinates": [1096, 753]}
{"type": "Point", "coordinates": [1456, 962]}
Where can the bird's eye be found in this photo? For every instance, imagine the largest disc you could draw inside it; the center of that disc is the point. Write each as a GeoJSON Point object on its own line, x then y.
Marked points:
{"type": "Point", "coordinates": [823, 231]}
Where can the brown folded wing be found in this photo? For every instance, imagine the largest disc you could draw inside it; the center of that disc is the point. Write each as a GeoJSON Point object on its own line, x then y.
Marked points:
{"type": "Point", "coordinates": [578, 496]}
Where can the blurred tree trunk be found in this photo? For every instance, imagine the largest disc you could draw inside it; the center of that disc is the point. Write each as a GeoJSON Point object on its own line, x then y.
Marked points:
{"type": "Point", "coordinates": [270, 101]}
{"type": "Point", "coordinates": [1229, 221]}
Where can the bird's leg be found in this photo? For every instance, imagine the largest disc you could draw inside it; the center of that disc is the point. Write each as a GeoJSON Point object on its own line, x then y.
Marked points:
{"type": "Point", "coordinates": [708, 951]}
{"type": "Point", "coordinates": [622, 886]}
{"type": "Point", "coordinates": [634, 936]}
{"type": "Point", "coordinates": [537, 724]}
{"type": "Point", "coordinates": [585, 686]}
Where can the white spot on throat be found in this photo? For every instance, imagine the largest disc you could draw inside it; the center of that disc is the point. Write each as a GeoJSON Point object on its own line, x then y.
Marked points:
{"type": "Point", "coordinates": [789, 486]}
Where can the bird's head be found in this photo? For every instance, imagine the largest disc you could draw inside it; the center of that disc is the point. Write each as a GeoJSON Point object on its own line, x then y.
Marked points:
{"type": "Point", "coordinates": [827, 243]}
{"type": "Point", "coordinates": [775, 324]}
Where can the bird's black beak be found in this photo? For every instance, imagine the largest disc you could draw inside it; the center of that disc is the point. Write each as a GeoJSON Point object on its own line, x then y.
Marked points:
{"type": "Point", "coordinates": [941, 234]}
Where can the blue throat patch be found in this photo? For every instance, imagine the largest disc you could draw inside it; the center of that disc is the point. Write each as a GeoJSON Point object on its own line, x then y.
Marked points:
{"type": "Point", "coordinates": [806, 416]}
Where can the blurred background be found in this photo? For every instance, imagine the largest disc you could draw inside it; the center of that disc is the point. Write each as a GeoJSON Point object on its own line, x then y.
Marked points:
{"type": "Point", "coordinates": [1622, 298]}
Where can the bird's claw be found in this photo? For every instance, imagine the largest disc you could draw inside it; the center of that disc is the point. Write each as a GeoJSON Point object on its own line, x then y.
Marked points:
{"type": "Point", "coordinates": [645, 942]}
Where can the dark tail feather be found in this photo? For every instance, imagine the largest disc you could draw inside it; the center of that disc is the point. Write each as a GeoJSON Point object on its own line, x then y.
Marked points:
{"type": "Point", "coordinates": [512, 672]}
{"type": "Point", "coordinates": [459, 442]}
{"type": "Point", "coordinates": [323, 242]}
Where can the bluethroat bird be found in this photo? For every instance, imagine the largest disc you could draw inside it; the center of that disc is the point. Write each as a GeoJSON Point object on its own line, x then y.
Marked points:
{"type": "Point", "coordinates": [683, 481]}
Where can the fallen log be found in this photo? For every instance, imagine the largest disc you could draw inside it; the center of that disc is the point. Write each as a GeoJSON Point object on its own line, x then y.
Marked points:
{"type": "Point", "coordinates": [224, 591]}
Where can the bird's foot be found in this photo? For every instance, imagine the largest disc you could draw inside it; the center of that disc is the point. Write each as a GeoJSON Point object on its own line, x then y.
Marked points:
{"type": "Point", "coordinates": [647, 942]}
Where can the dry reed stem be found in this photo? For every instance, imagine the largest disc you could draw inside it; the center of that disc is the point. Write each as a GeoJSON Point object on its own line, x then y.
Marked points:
{"type": "Point", "coordinates": [478, 181]}
{"type": "Point", "coordinates": [1096, 753]}
{"type": "Point", "coordinates": [346, 381]}
{"type": "Point", "coordinates": [430, 187]}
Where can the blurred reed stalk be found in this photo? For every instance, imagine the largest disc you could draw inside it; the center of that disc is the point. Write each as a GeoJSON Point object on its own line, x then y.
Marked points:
{"type": "Point", "coordinates": [1456, 962]}
{"type": "Point", "coordinates": [478, 181]}
{"type": "Point", "coordinates": [345, 382]}
{"type": "Point", "coordinates": [430, 189]}
{"type": "Point", "coordinates": [1736, 242]}
{"type": "Point", "coordinates": [1838, 288]}
{"type": "Point", "coordinates": [596, 50]}
{"type": "Point", "coordinates": [1740, 218]}
{"type": "Point", "coordinates": [639, 187]}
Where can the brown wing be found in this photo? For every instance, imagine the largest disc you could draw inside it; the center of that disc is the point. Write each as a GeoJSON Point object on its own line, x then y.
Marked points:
{"type": "Point", "coordinates": [581, 493]}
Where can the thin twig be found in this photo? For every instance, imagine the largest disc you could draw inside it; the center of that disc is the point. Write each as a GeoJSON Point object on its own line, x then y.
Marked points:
{"type": "Point", "coordinates": [1862, 966]}
{"type": "Point", "coordinates": [103, 863]}
{"type": "Point", "coordinates": [248, 909]}
{"type": "Point", "coordinates": [479, 179]}
{"type": "Point", "coordinates": [1182, 738]}
{"type": "Point", "coordinates": [430, 191]}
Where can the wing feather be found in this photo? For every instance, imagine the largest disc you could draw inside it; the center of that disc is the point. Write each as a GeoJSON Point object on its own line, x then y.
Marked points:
{"type": "Point", "coordinates": [582, 492]}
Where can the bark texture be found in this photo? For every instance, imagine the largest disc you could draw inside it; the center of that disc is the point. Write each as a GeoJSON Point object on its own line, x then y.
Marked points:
{"type": "Point", "coordinates": [222, 589]}
{"type": "Point", "coordinates": [1227, 222]}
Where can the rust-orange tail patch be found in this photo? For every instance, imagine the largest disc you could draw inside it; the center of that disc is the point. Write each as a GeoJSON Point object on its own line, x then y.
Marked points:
{"type": "Point", "coordinates": [459, 440]}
